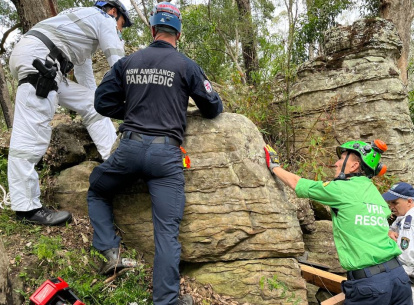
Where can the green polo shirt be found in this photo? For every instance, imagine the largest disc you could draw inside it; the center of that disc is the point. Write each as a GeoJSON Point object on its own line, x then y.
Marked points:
{"type": "Point", "coordinates": [359, 218]}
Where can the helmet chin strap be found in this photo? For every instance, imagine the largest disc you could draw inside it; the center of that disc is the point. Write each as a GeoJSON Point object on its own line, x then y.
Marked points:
{"type": "Point", "coordinates": [342, 175]}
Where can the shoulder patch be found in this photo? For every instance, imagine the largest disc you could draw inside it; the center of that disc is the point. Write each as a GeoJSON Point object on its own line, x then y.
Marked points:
{"type": "Point", "coordinates": [405, 242]}
{"type": "Point", "coordinates": [208, 86]}
{"type": "Point", "coordinates": [407, 222]}
{"type": "Point", "coordinates": [326, 183]}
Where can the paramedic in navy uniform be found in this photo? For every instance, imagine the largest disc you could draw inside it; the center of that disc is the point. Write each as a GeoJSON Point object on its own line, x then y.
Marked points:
{"type": "Point", "coordinates": [149, 91]}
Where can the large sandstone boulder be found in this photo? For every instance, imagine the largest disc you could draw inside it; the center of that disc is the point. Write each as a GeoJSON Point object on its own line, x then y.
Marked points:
{"type": "Point", "coordinates": [235, 212]}
{"type": "Point", "coordinates": [320, 247]}
{"type": "Point", "coordinates": [304, 212]}
{"type": "Point", "coordinates": [71, 188]}
{"type": "Point", "coordinates": [234, 208]}
{"type": "Point", "coordinates": [354, 92]}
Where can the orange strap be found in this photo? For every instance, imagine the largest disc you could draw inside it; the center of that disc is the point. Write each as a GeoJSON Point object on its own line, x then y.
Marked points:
{"type": "Point", "coordinates": [186, 159]}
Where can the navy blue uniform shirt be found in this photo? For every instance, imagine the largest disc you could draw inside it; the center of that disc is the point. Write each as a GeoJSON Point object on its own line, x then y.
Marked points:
{"type": "Point", "coordinates": [149, 90]}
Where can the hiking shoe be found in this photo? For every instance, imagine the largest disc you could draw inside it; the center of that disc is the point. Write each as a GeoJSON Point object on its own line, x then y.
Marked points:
{"type": "Point", "coordinates": [185, 299]}
{"type": "Point", "coordinates": [44, 216]}
{"type": "Point", "coordinates": [114, 262]}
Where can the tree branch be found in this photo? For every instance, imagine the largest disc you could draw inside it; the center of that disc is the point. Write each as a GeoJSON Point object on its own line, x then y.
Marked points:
{"type": "Point", "coordinates": [232, 55]}
{"type": "Point", "coordinates": [5, 35]}
{"type": "Point", "coordinates": [140, 13]}
{"type": "Point", "coordinates": [228, 48]}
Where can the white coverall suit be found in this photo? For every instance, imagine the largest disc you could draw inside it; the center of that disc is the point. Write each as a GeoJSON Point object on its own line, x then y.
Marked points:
{"type": "Point", "coordinates": [404, 226]}
{"type": "Point", "coordinates": [78, 32]}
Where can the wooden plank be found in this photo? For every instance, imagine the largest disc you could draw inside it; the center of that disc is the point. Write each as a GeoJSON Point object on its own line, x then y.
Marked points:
{"type": "Point", "coordinates": [323, 279]}
{"type": "Point", "coordinates": [338, 299]}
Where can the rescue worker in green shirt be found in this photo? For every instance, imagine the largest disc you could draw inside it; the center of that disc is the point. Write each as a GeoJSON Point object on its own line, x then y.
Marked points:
{"type": "Point", "coordinates": [360, 226]}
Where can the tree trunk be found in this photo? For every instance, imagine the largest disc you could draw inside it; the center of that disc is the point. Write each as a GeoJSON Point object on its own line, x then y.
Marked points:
{"type": "Point", "coordinates": [311, 51]}
{"type": "Point", "coordinates": [31, 12]}
{"type": "Point", "coordinates": [401, 13]}
{"type": "Point", "coordinates": [5, 101]}
{"type": "Point", "coordinates": [248, 39]}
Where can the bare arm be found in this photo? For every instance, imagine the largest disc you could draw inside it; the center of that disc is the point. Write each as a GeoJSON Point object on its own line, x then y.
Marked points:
{"type": "Point", "coordinates": [287, 178]}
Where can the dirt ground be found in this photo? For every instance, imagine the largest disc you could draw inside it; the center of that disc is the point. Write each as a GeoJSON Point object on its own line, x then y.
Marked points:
{"type": "Point", "coordinates": [76, 235]}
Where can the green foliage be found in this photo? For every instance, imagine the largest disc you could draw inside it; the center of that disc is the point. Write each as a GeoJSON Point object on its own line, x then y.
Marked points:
{"type": "Point", "coordinates": [17, 260]}
{"type": "Point", "coordinates": [128, 288]}
{"type": "Point", "coordinates": [139, 34]}
{"type": "Point", "coordinates": [77, 266]}
{"type": "Point", "coordinates": [320, 16]}
{"type": "Point", "coordinates": [384, 183]}
{"type": "Point", "coordinates": [8, 225]}
{"type": "Point", "coordinates": [8, 19]}
{"type": "Point", "coordinates": [202, 42]}
{"type": "Point", "coordinates": [47, 247]}
{"type": "Point", "coordinates": [8, 14]}
{"type": "Point", "coordinates": [256, 103]}
{"type": "Point", "coordinates": [274, 283]}
{"type": "Point", "coordinates": [273, 58]}
{"type": "Point", "coordinates": [311, 166]}
{"type": "Point", "coordinates": [3, 171]}
{"type": "Point", "coordinates": [370, 8]}
{"type": "Point", "coordinates": [65, 4]}
{"type": "Point", "coordinates": [212, 35]}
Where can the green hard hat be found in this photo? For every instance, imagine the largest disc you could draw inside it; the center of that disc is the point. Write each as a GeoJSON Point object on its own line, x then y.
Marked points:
{"type": "Point", "coordinates": [370, 154]}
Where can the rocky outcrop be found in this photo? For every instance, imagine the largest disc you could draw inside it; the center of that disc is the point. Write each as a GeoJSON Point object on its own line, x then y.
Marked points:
{"type": "Point", "coordinates": [320, 247]}
{"type": "Point", "coordinates": [70, 145]}
{"type": "Point", "coordinates": [71, 187]}
{"type": "Point", "coordinates": [354, 92]}
{"type": "Point", "coordinates": [304, 211]}
{"type": "Point", "coordinates": [263, 281]}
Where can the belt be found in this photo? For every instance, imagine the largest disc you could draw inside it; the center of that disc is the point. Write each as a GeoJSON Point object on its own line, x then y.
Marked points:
{"type": "Point", "coordinates": [32, 79]}
{"type": "Point", "coordinates": [157, 140]}
{"type": "Point", "coordinates": [376, 269]}
{"type": "Point", "coordinates": [55, 53]}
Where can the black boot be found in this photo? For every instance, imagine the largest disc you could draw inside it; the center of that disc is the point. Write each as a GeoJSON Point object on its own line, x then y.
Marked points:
{"type": "Point", "coordinates": [44, 216]}
{"type": "Point", "coordinates": [185, 299]}
{"type": "Point", "coordinates": [114, 262]}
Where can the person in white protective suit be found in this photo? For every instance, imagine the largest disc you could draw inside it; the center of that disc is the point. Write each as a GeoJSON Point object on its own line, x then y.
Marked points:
{"type": "Point", "coordinates": [400, 198]}
{"type": "Point", "coordinates": [40, 61]}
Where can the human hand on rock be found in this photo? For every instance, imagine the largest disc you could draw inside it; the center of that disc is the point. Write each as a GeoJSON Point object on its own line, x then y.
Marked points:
{"type": "Point", "coordinates": [272, 158]}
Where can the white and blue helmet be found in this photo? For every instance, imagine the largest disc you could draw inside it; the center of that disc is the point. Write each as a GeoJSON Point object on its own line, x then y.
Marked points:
{"type": "Point", "coordinates": [166, 14]}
